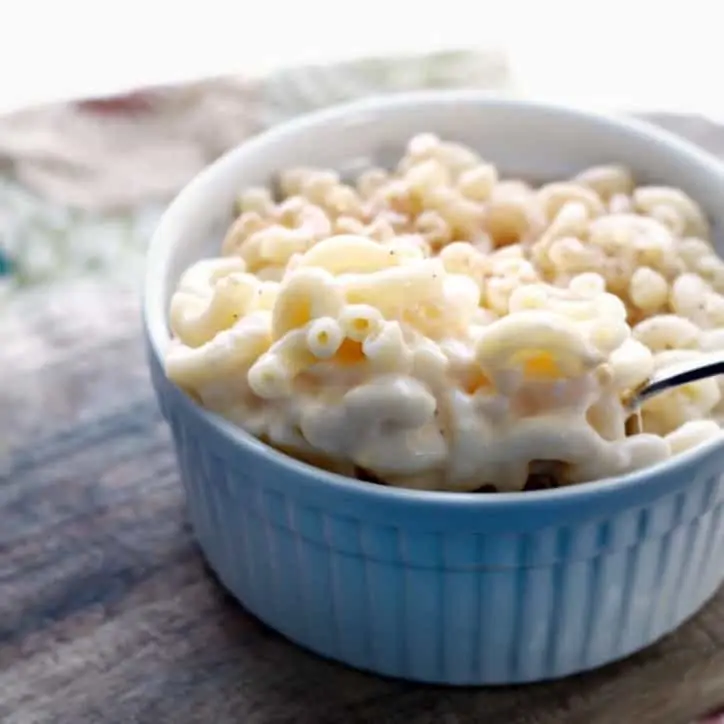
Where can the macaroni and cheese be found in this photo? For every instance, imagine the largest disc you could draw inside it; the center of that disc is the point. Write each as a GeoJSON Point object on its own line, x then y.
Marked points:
{"type": "Point", "coordinates": [435, 326]}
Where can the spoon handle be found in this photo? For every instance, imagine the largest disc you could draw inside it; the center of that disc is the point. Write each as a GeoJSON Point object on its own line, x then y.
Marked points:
{"type": "Point", "coordinates": [677, 375]}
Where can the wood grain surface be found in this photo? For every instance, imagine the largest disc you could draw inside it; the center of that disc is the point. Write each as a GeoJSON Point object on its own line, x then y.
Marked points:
{"type": "Point", "coordinates": [108, 614]}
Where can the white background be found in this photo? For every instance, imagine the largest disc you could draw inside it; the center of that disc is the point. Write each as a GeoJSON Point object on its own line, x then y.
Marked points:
{"type": "Point", "coordinates": [605, 53]}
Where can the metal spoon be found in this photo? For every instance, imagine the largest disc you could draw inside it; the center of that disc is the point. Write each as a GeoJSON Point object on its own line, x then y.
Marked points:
{"type": "Point", "coordinates": [675, 376]}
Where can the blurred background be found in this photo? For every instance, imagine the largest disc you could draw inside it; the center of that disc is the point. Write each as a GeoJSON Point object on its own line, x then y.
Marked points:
{"type": "Point", "coordinates": [626, 54]}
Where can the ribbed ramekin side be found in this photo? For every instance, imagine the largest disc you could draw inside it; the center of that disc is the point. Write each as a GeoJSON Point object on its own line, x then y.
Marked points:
{"type": "Point", "coordinates": [419, 605]}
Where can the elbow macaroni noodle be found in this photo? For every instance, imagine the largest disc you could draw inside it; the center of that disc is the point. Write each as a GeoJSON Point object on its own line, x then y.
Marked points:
{"type": "Point", "coordinates": [436, 327]}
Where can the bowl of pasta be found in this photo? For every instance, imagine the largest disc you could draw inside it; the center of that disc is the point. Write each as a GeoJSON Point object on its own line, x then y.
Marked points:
{"type": "Point", "coordinates": [394, 342]}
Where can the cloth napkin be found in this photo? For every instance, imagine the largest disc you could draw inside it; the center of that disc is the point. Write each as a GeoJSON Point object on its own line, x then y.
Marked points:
{"type": "Point", "coordinates": [117, 153]}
